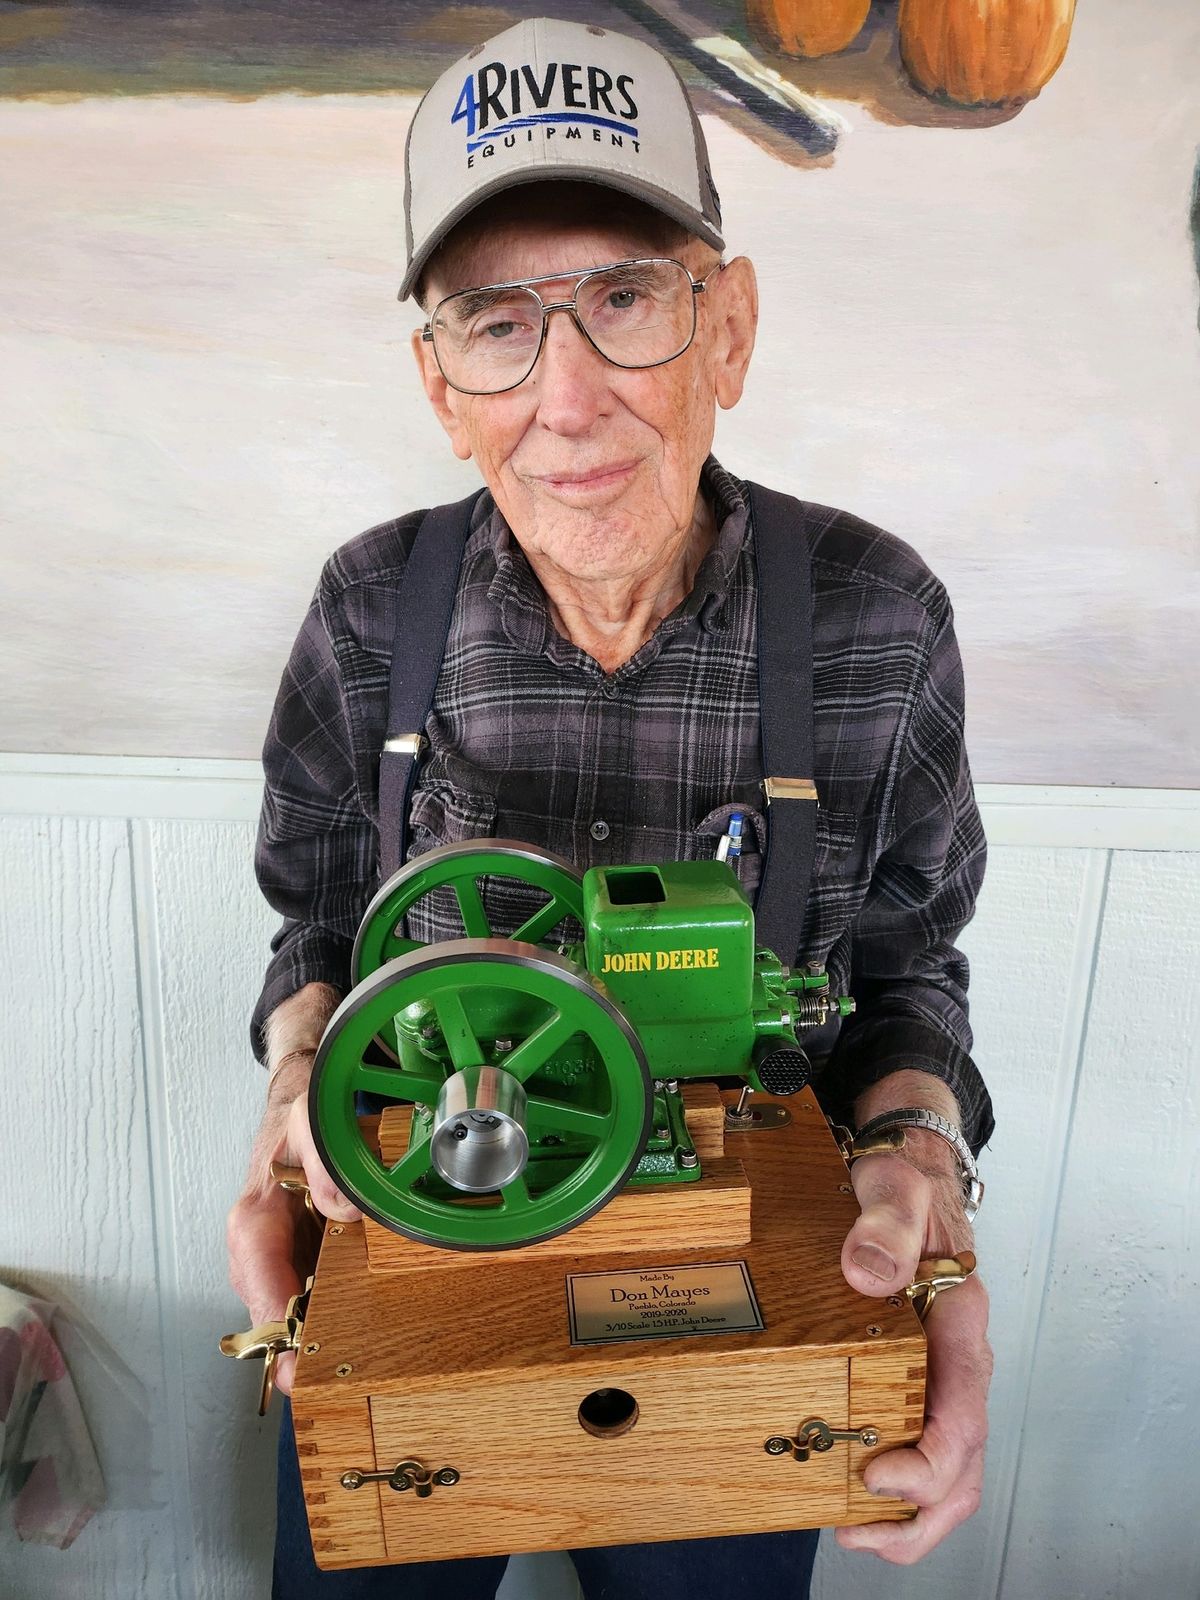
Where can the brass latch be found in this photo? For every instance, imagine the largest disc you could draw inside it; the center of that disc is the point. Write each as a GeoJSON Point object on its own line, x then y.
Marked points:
{"type": "Point", "coordinates": [294, 1181]}
{"type": "Point", "coordinates": [404, 1475]}
{"type": "Point", "coordinates": [816, 1434]}
{"type": "Point", "coordinates": [270, 1340]}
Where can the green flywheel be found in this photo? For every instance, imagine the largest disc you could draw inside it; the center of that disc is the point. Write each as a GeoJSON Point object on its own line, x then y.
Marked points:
{"type": "Point", "coordinates": [461, 868]}
{"type": "Point", "coordinates": [469, 1003]}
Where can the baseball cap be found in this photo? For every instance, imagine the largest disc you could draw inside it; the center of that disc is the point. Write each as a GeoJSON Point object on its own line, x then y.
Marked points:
{"type": "Point", "coordinates": [548, 99]}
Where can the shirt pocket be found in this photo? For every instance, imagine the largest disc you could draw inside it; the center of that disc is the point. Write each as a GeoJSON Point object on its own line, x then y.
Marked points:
{"type": "Point", "coordinates": [708, 833]}
{"type": "Point", "coordinates": [442, 813]}
{"type": "Point", "coordinates": [836, 832]}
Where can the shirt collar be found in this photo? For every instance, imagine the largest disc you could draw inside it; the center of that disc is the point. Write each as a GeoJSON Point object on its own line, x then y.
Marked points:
{"type": "Point", "coordinates": [522, 600]}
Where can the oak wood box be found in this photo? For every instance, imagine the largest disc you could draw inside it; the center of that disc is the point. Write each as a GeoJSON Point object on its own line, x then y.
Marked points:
{"type": "Point", "coordinates": [465, 1361]}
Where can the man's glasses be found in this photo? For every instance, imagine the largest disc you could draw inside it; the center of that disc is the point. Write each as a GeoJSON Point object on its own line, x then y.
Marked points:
{"type": "Point", "coordinates": [634, 313]}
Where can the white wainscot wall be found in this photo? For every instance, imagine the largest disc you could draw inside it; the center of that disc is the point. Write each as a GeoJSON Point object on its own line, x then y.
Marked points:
{"type": "Point", "coordinates": [132, 943]}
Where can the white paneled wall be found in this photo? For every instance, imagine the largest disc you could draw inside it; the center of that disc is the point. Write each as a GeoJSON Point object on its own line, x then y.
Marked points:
{"type": "Point", "coordinates": [132, 943]}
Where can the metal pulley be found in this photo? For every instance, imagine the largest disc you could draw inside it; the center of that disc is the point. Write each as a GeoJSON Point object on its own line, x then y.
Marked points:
{"type": "Point", "coordinates": [478, 1142]}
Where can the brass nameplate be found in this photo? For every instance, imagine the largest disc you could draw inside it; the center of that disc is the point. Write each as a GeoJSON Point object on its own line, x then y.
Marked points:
{"type": "Point", "coordinates": [662, 1303]}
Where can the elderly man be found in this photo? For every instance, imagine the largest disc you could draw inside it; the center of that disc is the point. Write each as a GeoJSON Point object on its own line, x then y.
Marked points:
{"type": "Point", "coordinates": [599, 694]}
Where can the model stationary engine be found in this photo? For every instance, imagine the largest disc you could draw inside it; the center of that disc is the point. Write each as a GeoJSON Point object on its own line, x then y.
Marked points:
{"type": "Point", "coordinates": [543, 1068]}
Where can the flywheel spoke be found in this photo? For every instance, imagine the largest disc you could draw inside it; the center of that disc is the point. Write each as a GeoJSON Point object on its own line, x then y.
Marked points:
{"type": "Point", "coordinates": [413, 1164]}
{"type": "Point", "coordinates": [457, 1030]}
{"type": "Point", "coordinates": [533, 1053]}
{"type": "Point", "coordinates": [515, 1196]}
{"type": "Point", "coordinates": [557, 1116]}
{"type": "Point", "coordinates": [540, 923]}
{"type": "Point", "coordinates": [470, 908]}
{"type": "Point", "coordinates": [397, 1083]}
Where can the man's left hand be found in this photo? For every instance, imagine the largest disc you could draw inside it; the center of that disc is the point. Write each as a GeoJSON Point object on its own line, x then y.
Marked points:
{"type": "Point", "coordinates": [909, 1214]}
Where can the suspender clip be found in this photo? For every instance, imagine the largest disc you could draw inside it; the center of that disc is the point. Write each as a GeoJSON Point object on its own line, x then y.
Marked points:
{"type": "Point", "coordinates": [789, 789]}
{"type": "Point", "coordinates": [405, 744]}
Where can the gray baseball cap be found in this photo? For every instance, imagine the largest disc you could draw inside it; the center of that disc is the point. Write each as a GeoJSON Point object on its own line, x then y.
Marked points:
{"type": "Point", "coordinates": [549, 99]}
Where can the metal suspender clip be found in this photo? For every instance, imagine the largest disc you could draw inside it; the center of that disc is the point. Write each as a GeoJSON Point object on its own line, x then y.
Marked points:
{"type": "Point", "coordinates": [789, 789]}
{"type": "Point", "coordinates": [405, 744]}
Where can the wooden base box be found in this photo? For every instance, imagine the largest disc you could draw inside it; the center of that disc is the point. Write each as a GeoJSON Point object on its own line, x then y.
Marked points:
{"type": "Point", "coordinates": [453, 1378]}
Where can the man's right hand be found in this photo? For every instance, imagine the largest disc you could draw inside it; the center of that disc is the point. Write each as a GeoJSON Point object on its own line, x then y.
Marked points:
{"type": "Point", "coordinates": [269, 1232]}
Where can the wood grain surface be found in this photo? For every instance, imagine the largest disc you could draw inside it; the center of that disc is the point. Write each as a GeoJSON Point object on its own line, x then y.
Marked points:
{"type": "Point", "coordinates": [486, 1380]}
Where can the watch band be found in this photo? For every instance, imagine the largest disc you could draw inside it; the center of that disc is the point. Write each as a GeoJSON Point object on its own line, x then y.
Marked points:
{"type": "Point", "coordinates": [921, 1117]}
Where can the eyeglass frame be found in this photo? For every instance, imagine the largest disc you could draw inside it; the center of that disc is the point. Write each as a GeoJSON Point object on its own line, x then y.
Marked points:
{"type": "Point", "coordinates": [698, 287]}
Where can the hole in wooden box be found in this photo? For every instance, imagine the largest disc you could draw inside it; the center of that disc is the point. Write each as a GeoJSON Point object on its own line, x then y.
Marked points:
{"type": "Point", "coordinates": [608, 1413]}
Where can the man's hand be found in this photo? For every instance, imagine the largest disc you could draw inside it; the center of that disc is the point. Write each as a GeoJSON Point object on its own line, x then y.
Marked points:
{"type": "Point", "coordinates": [269, 1233]}
{"type": "Point", "coordinates": [912, 1208]}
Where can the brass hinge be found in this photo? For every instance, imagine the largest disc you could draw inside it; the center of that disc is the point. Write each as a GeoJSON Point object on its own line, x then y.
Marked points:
{"type": "Point", "coordinates": [404, 1475]}
{"type": "Point", "coordinates": [816, 1434]}
{"type": "Point", "coordinates": [270, 1340]}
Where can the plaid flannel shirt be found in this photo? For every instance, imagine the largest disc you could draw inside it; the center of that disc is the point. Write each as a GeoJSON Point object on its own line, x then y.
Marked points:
{"type": "Point", "coordinates": [530, 739]}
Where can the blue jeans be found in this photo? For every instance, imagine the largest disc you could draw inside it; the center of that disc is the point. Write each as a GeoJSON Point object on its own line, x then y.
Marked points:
{"type": "Point", "coordinates": [748, 1565]}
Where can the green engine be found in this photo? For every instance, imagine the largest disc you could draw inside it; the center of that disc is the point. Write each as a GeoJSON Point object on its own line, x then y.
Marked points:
{"type": "Point", "coordinates": [544, 1069]}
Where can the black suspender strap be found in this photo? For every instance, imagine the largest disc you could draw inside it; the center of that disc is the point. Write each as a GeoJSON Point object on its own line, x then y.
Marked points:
{"type": "Point", "coordinates": [783, 559]}
{"type": "Point", "coordinates": [424, 607]}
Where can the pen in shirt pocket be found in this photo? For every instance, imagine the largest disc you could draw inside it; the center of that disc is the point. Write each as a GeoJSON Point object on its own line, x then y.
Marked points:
{"type": "Point", "coordinates": [729, 845]}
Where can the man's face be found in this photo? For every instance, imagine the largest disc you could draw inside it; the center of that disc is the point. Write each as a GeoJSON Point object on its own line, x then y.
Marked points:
{"type": "Point", "coordinates": [593, 466]}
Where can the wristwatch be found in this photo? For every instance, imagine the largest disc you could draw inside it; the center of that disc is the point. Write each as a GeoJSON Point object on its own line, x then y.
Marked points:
{"type": "Point", "coordinates": [919, 1117]}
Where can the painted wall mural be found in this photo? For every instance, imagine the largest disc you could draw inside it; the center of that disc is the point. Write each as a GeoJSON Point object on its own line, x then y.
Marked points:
{"type": "Point", "coordinates": [974, 226]}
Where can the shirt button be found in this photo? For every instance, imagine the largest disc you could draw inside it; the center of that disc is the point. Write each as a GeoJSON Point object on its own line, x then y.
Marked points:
{"type": "Point", "coordinates": [610, 690]}
{"type": "Point", "coordinates": [599, 830]}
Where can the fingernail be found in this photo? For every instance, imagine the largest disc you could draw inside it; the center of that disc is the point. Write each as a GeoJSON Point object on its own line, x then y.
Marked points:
{"type": "Point", "coordinates": [875, 1261]}
{"type": "Point", "coordinates": [886, 1494]}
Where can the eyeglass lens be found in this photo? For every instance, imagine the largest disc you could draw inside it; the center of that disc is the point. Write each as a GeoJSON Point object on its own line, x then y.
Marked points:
{"type": "Point", "coordinates": [637, 314]}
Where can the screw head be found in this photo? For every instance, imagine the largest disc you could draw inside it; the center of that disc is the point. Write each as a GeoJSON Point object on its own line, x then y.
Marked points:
{"type": "Point", "coordinates": [845, 1188]}
{"type": "Point", "coordinates": [874, 1331]}
{"type": "Point", "coordinates": [311, 1349]}
{"type": "Point", "coordinates": [777, 1446]}
{"type": "Point", "coordinates": [895, 1299]}
{"type": "Point", "coordinates": [447, 1477]}
{"type": "Point", "coordinates": [336, 1230]}
{"type": "Point", "coordinates": [344, 1370]}
{"type": "Point", "coordinates": [689, 1159]}
{"type": "Point", "coordinates": [869, 1435]}
{"type": "Point", "coordinates": [352, 1480]}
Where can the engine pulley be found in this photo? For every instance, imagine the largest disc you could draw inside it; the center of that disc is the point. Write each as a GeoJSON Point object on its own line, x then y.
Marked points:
{"type": "Point", "coordinates": [479, 1142]}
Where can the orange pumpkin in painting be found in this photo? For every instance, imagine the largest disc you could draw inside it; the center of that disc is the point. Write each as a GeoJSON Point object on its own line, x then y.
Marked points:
{"type": "Point", "coordinates": [984, 52]}
{"type": "Point", "coordinates": [807, 27]}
